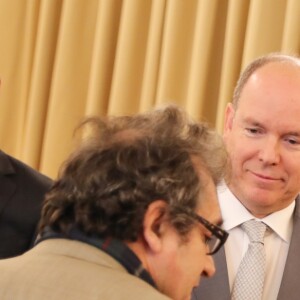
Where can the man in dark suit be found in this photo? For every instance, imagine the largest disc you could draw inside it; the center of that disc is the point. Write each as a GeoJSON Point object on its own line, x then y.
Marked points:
{"type": "Point", "coordinates": [22, 191]}
{"type": "Point", "coordinates": [262, 136]}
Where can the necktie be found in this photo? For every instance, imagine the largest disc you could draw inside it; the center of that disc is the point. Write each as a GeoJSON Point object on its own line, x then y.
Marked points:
{"type": "Point", "coordinates": [251, 272]}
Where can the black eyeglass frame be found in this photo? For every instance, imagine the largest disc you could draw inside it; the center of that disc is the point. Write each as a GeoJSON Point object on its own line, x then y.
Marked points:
{"type": "Point", "coordinates": [217, 231]}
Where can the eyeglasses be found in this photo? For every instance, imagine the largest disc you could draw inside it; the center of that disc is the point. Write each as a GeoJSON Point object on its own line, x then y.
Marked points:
{"type": "Point", "coordinates": [218, 237]}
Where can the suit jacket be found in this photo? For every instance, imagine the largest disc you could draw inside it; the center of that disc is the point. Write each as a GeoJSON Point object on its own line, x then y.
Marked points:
{"type": "Point", "coordinates": [70, 270]}
{"type": "Point", "coordinates": [22, 190]}
{"type": "Point", "coordinates": [217, 288]}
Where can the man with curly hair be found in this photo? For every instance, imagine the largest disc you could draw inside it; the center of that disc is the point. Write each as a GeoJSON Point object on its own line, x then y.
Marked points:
{"type": "Point", "coordinates": [132, 214]}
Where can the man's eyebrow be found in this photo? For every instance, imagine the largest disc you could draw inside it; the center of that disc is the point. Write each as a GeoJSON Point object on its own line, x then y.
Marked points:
{"type": "Point", "coordinates": [295, 133]}
{"type": "Point", "coordinates": [252, 122]}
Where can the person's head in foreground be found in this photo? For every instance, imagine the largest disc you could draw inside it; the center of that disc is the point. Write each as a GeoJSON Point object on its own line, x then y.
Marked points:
{"type": "Point", "coordinates": [262, 134]}
{"type": "Point", "coordinates": [143, 184]}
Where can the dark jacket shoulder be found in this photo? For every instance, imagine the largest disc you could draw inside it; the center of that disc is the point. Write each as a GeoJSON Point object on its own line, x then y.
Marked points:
{"type": "Point", "coordinates": [22, 191]}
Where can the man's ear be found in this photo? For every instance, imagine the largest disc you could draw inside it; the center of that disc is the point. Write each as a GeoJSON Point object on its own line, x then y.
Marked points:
{"type": "Point", "coordinates": [229, 115]}
{"type": "Point", "coordinates": [153, 224]}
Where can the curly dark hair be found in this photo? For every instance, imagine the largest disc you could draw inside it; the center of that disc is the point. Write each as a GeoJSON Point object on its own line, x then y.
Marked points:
{"type": "Point", "coordinates": [106, 185]}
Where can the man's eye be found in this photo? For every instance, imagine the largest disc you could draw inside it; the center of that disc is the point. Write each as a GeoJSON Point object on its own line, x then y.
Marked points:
{"type": "Point", "coordinates": [293, 141]}
{"type": "Point", "coordinates": [207, 239]}
{"type": "Point", "coordinates": [252, 130]}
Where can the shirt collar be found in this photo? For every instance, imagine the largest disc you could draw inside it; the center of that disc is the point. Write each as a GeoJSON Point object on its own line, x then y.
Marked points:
{"type": "Point", "coordinates": [234, 214]}
{"type": "Point", "coordinates": [113, 247]}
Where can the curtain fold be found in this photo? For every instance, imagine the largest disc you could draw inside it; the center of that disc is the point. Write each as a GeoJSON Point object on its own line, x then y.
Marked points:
{"type": "Point", "coordinates": [236, 25]}
{"type": "Point", "coordinates": [264, 28]}
{"type": "Point", "coordinates": [130, 57]}
{"type": "Point", "coordinates": [62, 60]}
{"type": "Point", "coordinates": [291, 29]}
{"type": "Point", "coordinates": [40, 81]}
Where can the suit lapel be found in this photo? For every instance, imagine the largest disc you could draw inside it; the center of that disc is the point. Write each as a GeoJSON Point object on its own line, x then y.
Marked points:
{"type": "Point", "coordinates": [290, 287]}
{"type": "Point", "coordinates": [7, 186]}
{"type": "Point", "coordinates": [216, 287]}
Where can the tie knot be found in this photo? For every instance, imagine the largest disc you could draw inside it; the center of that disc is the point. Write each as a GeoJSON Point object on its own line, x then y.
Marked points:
{"type": "Point", "coordinates": [255, 230]}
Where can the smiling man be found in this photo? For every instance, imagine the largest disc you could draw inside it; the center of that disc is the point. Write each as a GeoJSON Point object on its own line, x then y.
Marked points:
{"type": "Point", "coordinates": [262, 135]}
{"type": "Point", "coordinates": [133, 215]}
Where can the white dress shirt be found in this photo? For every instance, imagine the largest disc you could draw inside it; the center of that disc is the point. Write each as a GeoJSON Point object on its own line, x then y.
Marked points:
{"type": "Point", "coordinates": [277, 239]}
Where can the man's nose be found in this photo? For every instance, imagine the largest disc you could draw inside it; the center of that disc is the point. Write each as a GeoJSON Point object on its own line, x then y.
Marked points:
{"type": "Point", "coordinates": [269, 152]}
{"type": "Point", "coordinates": [209, 268]}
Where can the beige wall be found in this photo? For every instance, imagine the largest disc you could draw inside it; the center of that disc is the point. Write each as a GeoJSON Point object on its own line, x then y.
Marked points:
{"type": "Point", "coordinates": [61, 60]}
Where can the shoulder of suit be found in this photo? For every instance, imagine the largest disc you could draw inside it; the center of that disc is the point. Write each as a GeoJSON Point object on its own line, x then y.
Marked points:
{"type": "Point", "coordinates": [10, 165]}
{"type": "Point", "coordinates": [6, 166]}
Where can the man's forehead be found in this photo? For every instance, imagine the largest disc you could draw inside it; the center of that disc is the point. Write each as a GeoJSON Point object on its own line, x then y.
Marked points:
{"type": "Point", "coordinates": [277, 70]}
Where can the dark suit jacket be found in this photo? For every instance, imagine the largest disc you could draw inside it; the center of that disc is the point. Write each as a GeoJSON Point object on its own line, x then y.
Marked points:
{"type": "Point", "coordinates": [217, 288]}
{"type": "Point", "coordinates": [22, 191]}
